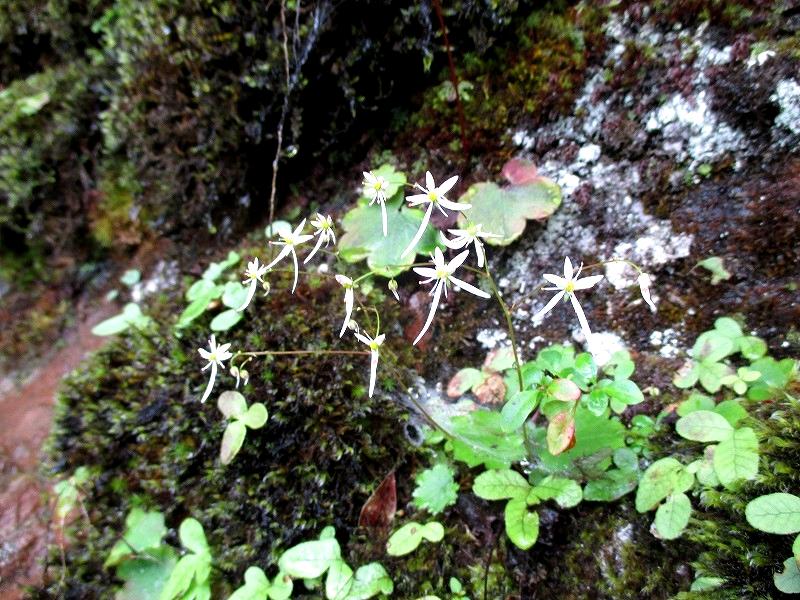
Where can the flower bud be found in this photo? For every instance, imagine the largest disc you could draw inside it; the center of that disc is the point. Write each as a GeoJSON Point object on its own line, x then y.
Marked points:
{"type": "Point", "coordinates": [393, 289]}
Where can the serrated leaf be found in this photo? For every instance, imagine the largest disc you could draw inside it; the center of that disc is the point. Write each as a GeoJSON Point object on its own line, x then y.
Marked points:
{"type": "Point", "coordinates": [774, 513]}
{"type": "Point", "coordinates": [737, 457]}
{"type": "Point", "coordinates": [232, 441]}
{"type": "Point", "coordinates": [516, 411]}
{"type": "Point", "coordinates": [309, 560]}
{"type": "Point", "coordinates": [500, 484]}
{"type": "Point", "coordinates": [232, 404]}
{"type": "Point", "coordinates": [673, 516]}
{"type": "Point", "coordinates": [364, 239]}
{"type": "Point", "coordinates": [522, 525]}
{"type": "Point", "coordinates": [704, 426]}
{"type": "Point", "coordinates": [504, 211]}
{"type": "Point", "coordinates": [566, 492]}
{"type": "Point", "coordinates": [436, 489]}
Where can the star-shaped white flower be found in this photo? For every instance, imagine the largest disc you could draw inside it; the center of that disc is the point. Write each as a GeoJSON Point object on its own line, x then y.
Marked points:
{"type": "Point", "coordinates": [214, 355]}
{"type": "Point", "coordinates": [375, 188]}
{"type": "Point", "coordinates": [566, 287]}
{"type": "Point", "coordinates": [349, 298]}
{"type": "Point", "coordinates": [289, 241]}
{"type": "Point", "coordinates": [374, 349]}
{"type": "Point", "coordinates": [253, 275]}
{"type": "Point", "coordinates": [442, 273]}
{"type": "Point", "coordinates": [470, 235]}
{"type": "Point", "coordinates": [433, 195]}
{"type": "Point", "coordinates": [644, 282]}
{"type": "Point", "coordinates": [324, 229]}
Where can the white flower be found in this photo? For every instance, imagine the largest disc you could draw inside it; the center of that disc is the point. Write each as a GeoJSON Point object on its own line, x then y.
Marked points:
{"type": "Point", "coordinates": [375, 188]}
{"type": "Point", "coordinates": [644, 286]}
{"type": "Point", "coordinates": [470, 235]}
{"type": "Point", "coordinates": [289, 241]}
{"type": "Point", "coordinates": [214, 355]}
{"type": "Point", "coordinates": [252, 276]}
{"type": "Point", "coordinates": [324, 229]}
{"type": "Point", "coordinates": [374, 347]}
{"type": "Point", "coordinates": [349, 297]}
{"type": "Point", "coordinates": [567, 286]}
{"type": "Point", "coordinates": [433, 196]}
{"type": "Point", "coordinates": [442, 273]}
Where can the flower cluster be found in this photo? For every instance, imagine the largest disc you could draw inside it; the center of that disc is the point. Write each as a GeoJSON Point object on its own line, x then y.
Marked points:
{"type": "Point", "coordinates": [441, 273]}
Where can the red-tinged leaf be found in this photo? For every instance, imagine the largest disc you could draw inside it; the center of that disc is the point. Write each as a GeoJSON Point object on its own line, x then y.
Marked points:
{"type": "Point", "coordinates": [491, 391]}
{"type": "Point", "coordinates": [561, 433]}
{"type": "Point", "coordinates": [564, 390]}
{"type": "Point", "coordinates": [379, 509]}
{"type": "Point", "coordinates": [519, 171]}
{"type": "Point", "coordinates": [463, 381]}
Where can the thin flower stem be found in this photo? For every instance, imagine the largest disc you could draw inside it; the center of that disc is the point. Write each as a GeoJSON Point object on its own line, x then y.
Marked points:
{"type": "Point", "coordinates": [301, 352]}
{"type": "Point", "coordinates": [513, 337]}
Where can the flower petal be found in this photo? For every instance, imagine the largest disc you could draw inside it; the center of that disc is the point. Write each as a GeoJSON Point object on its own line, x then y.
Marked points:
{"type": "Point", "coordinates": [586, 282]}
{"type": "Point", "coordinates": [568, 272]}
{"type": "Point", "coordinates": [296, 268]}
{"type": "Point", "coordinates": [210, 385]}
{"type": "Point", "coordinates": [587, 332]}
{"type": "Point", "coordinates": [447, 185]}
{"type": "Point", "coordinates": [314, 251]}
{"type": "Point", "coordinates": [480, 252]}
{"type": "Point", "coordinates": [429, 182]}
{"type": "Point", "coordinates": [250, 293]}
{"type": "Point", "coordinates": [548, 307]}
{"type": "Point", "coordinates": [434, 303]}
{"type": "Point", "coordinates": [281, 255]}
{"type": "Point", "coordinates": [420, 232]}
{"type": "Point", "coordinates": [373, 371]}
{"type": "Point", "coordinates": [469, 288]}
{"type": "Point", "coordinates": [385, 219]}
{"type": "Point", "coordinates": [457, 261]}
{"type": "Point", "coordinates": [425, 272]}
{"type": "Point", "coordinates": [349, 297]}
{"type": "Point", "coordinates": [454, 205]}
{"type": "Point", "coordinates": [557, 281]}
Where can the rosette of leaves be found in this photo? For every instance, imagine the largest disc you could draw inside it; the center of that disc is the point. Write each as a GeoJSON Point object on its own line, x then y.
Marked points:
{"type": "Point", "coordinates": [240, 418]}
{"type": "Point", "coordinates": [504, 211]}
{"type": "Point", "coordinates": [363, 230]}
{"type": "Point", "coordinates": [521, 523]}
{"type": "Point", "coordinates": [436, 489]}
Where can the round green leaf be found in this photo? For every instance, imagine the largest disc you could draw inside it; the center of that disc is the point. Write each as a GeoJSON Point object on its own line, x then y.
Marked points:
{"type": "Point", "coordinates": [522, 525]}
{"type": "Point", "coordinates": [504, 211]}
{"type": "Point", "coordinates": [256, 416]}
{"type": "Point", "coordinates": [625, 391]}
{"type": "Point", "coordinates": [737, 457]}
{"type": "Point", "coordinates": [673, 516]}
{"type": "Point", "coordinates": [309, 559]}
{"type": "Point", "coordinates": [405, 540]}
{"type": "Point", "coordinates": [712, 346]}
{"type": "Point", "coordinates": [370, 580]}
{"type": "Point", "coordinates": [657, 483]}
{"type": "Point", "coordinates": [789, 580]}
{"type": "Point", "coordinates": [774, 513]}
{"type": "Point", "coordinates": [192, 536]}
{"type": "Point", "coordinates": [234, 294]}
{"type": "Point", "coordinates": [500, 484]}
{"type": "Point", "coordinates": [232, 441]}
{"type": "Point", "coordinates": [225, 320]}
{"type": "Point", "coordinates": [566, 492]}
{"type": "Point", "coordinates": [704, 426]}
{"type": "Point", "coordinates": [728, 327]}
{"type": "Point", "coordinates": [232, 404]}
{"type": "Point", "coordinates": [114, 325]}
{"type": "Point", "coordinates": [433, 531]}
{"type": "Point", "coordinates": [731, 410]}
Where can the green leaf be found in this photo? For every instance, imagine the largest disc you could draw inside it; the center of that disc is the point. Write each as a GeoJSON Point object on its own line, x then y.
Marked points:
{"type": "Point", "coordinates": [564, 390]}
{"type": "Point", "coordinates": [673, 516]}
{"type": "Point", "coordinates": [716, 267]}
{"type": "Point", "coordinates": [278, 228]}
{"type": "Point", "coordinates": [234, 294]}
{"type": "Point", "coordinates": [131, 277]}
{"type": "Point", "coordinates": [225, 320]}
{"type": "Point", "coordinates": [500, 484]}
{"type": "Point", "coordinates": [256, 416]}
{"type": "Point", "coordinates": [214, 270]}
{"type": "Point", "coordinates": [695, 401]}
{"type": "Point", "coordinates": [687, 375]}
{"type": "Point", "coordinates": [143, 531]}
{"type": "Point", "coordinates": [339, 580]}
{"type": "Point", "coordinates": [566, 492]}
{"type": "Point", "coordinates": [620, 366]}
{"type": "Point", "coordinates": [560, 432]}
{"type": "Point", "coordinates": [432, 531]}
{"type": "Point", "coordinates": [737, 457]}
{"type": "Point", "coordinates": [203, 287]}
{"type": "Point", "coordinates": [406, 539]}
{"type": "Point", "coordinates": [774, 513]}
{"type": "Point", "coordinates": [504, 211]}
{"type": "Point", "coordinates": [752, 347]}
{"type": "Point", "coordinates": [712, 346]}
{"type": "Point", "coordinates": [463, 381]}
{"type": "Point", "coordinates": [256, 586]}
{"type": "Point", "coordinates": [500, 359]}
{"type": "Point", "coordinates": [30, 105]}
{"type": "Point", "coordinates": [706, 584]}
{"type": "Point", "coordinates": [480, 439]}
{"type": "Point", "coordinates": [711, 375]}
{"type": "Point", "coordinates": [181, 577]}
{"type": "Point", "coordinates": [194, 310]}
{"type": "Point", "coordinates": [731, 410]}
{"type": "Point", "coordinates": [788, 581]}
{"type": "Point", "coordinates": [516, 411]}
{"type": "Point", "coordinates": [192, 536]}
{"type": "Point", "coordinates": [371, 580]}
{"type": "Point", "coordinates": [281, 588]}
{"type": "Point", "coordinates": [309, 559]}
{"type": "Point", "coordinates": [614, 484]}
{"type": "Point", "coordinates": [625, 391]}
{"type": "Point", "coordinates": [522, 525]}
{"type": "Point", "coordinates": [131, 315]}
{"type": "Point", "coordinates": [364, 239]}
{"type": "Point", "coordinates": [436, 489]}
{"type": "Point", "coordinates": [145, 576]}
{"type": "Point", "coordinates": [232, 404]}
{"type": "Point", "coordinates": [728, 327]}
{"type": "Point", "coordinates": [657, 482]}
{"type": "Point", "coordinates": [232, 441]}
{"type": "Point", "coordinates": [704, 426]}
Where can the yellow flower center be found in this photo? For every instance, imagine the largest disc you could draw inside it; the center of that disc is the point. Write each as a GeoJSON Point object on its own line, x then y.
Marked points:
{"type": "Point", "coordinates": [442, 274]}
{"type": "Point", "coordinates": [378, 185]}
{"type": "Point", "coordinates": [570, 287]}
{"type": "Point", "coordinates": [433, 196]}
{"type": "Point", "coordinates": [373, 345]}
